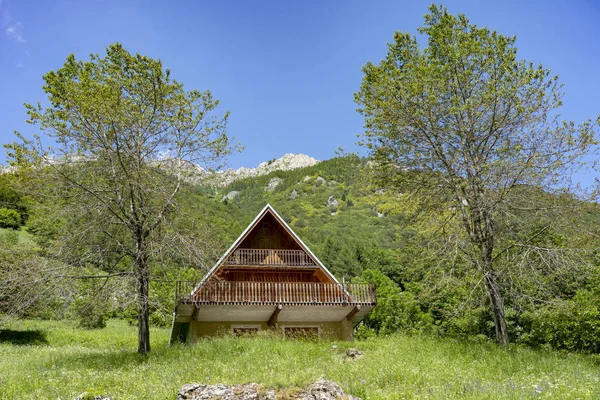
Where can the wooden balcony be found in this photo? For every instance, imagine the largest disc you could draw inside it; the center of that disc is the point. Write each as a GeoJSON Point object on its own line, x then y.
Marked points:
{"type": "Point", "coordinates": [268, 293]}
{"type": "Point", "coordinates": [269, 258]}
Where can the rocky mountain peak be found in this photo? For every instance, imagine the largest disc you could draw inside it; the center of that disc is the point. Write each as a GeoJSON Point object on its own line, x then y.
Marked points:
{"type": "Point", "coordinates": [287, 162]}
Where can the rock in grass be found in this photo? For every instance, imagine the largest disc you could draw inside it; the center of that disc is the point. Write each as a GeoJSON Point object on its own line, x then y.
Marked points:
{"type": "Point", "coordinates": [354, 354]}
{"type": "Point", "coordinates": [250, 391]}
{"type": "Point", "coordinates": [87, 396]}
{"type": "Point", "coordinates": [320, 390]}
{"type": "Point", "coordinates": [325, 390]}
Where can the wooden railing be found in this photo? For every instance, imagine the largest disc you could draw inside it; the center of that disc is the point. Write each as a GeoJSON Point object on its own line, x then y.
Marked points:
{"type": "Point", "coordinates": [262, 293]}
{"type": "Point", "coordinates": [268, 257]}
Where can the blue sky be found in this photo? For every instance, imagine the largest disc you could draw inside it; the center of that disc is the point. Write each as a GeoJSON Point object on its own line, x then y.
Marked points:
{"type": "Point", "coordinates": [286, 70]}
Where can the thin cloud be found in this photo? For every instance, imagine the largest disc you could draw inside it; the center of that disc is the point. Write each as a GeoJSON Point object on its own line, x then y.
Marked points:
{"type": "Point", "coordinates": [12, 28]}
{"type": "Point", "coordinates": [15, 31]}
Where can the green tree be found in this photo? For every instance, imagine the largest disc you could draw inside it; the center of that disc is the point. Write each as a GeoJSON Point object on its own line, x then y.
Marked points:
{"type": "Point", "coordinates": [127, 137]}
{"type": "Point", "coordinates": [11, 198]}
{"type": "Point", "coordinates": [475, 122]}
{"type": "Point", "coordinates": [9, 218]}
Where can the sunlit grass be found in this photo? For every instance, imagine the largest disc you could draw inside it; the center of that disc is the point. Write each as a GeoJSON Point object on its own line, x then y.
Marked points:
{"type": "Point", "coordinates": [105, 362]}
{"type": "Point", "coordinates": [24, 237]}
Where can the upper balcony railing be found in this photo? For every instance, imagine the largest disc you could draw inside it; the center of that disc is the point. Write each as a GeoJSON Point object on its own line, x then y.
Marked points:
{"type": "Point", "coordinates": [268, 293]}
{"type": "Point", "coordinates": [269, 257]}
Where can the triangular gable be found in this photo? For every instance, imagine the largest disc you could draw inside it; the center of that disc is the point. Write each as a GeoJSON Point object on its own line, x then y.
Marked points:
{"type": "Point", "coordinates": [249, 229]}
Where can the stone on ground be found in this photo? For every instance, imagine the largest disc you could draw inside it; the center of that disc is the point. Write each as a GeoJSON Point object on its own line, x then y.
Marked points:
{"type": "Point", "coordinates": [320, 390]}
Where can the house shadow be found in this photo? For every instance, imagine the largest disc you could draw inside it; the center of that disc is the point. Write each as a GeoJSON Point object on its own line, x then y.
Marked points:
{"type": "Point", "coordinates": [23, 338]}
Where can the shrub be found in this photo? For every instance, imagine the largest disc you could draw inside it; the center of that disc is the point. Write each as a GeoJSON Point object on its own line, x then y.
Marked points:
{"type": "Point", "coordinates": [91, 313]}
{"type": "Point", "coordinates": [158, 318]}
{"type": "Point", "coordinates": [572, 325]}
{"type": "Point", "coordinates": [396, 310]}
{"type": "Point", "coordinates": [9, 218]}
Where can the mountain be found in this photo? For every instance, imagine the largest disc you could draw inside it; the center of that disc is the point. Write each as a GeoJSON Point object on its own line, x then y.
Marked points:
{"type": "Point", "coordinates": [287, 162]}
{"type": "Point", "coordinates": [223, 178]}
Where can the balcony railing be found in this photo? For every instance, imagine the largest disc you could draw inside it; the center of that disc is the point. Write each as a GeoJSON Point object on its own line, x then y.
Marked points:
{"type": "Point", "coordinates": [268, 293]}
{"type": "Point", "coordinates": [270, 257]}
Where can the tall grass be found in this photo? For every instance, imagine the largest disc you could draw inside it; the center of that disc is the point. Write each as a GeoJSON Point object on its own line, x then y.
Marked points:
{"type": "Point", "coordinates": [11, 236]}
{"type": "Point", "coordinates": [62, 362]}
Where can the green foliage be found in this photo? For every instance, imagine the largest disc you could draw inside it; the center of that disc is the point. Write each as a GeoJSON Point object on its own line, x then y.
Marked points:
{"type": "Point", "coordinates": [467, 88]}
{"type": "Point", "coordinates": [396, 310]}
{"type": "Point", "coordinates": [9, 218]}
{"type": "Point", "coordinates": [572, 325]}
{"type": "Point", "coordinates": [91, 314]}
{"type": "Point", "coordinates": [10, 198]}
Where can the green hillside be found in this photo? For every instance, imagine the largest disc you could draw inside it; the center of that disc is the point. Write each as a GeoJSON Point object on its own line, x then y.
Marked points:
{"type": "Point", "coordinates": [359, 220]}
{"type": "Point", "coordinates": [402, 242]}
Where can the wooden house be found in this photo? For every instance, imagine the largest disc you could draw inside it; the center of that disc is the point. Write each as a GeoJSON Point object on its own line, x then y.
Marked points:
{"type": "Point", "coordinates": [269, 279]}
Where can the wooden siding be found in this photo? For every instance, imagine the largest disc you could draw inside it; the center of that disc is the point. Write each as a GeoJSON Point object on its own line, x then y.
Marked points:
{"type": "Point", "coordinates": [269, 234]}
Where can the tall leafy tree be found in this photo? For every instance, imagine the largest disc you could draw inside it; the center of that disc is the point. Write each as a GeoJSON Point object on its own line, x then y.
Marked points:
{"type": "Point", "coordinates": [125, 138]}
{"type": "Point", "coordinates": [476, 122]}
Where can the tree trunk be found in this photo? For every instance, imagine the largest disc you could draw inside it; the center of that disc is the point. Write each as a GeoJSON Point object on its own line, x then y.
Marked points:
{"type": "Point", "coordinates": [142, 273]}
{"type": "Point", "coordinates": [143, 314]}
{"type": "Point", "coordinates": [491, 282]}
{"type": "Point", "coordinates": [483, 236]}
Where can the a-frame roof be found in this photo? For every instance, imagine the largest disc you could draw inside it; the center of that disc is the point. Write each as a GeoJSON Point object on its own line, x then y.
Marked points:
{"type": "Point", "coordinates": [266, 210]}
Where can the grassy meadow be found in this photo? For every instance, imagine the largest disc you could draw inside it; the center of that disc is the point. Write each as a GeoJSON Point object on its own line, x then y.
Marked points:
{"type": "Point", "coordinates": [55, 360]}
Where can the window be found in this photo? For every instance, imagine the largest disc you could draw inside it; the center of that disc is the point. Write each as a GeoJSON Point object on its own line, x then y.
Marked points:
{"type": "Point", "coordinates": [241, 330]}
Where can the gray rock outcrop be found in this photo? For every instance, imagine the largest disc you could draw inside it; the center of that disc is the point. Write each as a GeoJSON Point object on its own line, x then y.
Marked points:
{"type": "Point", "coordinates": [325, 390]}
{"type": "Point", "coordinates": [285, 163]}
{"type": "Point", "coordinates": [231, 195]}
{"type": "Point", "coordinates": [273, 183]}
{"type": "Point", "coordinates": [250, 391]}
{"type": "Point", "coordinates": [294, 195]}
{"type": "Point", "coordinates": [332, 202]}
{"type": "Point", "coordinates": [320, 390]}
